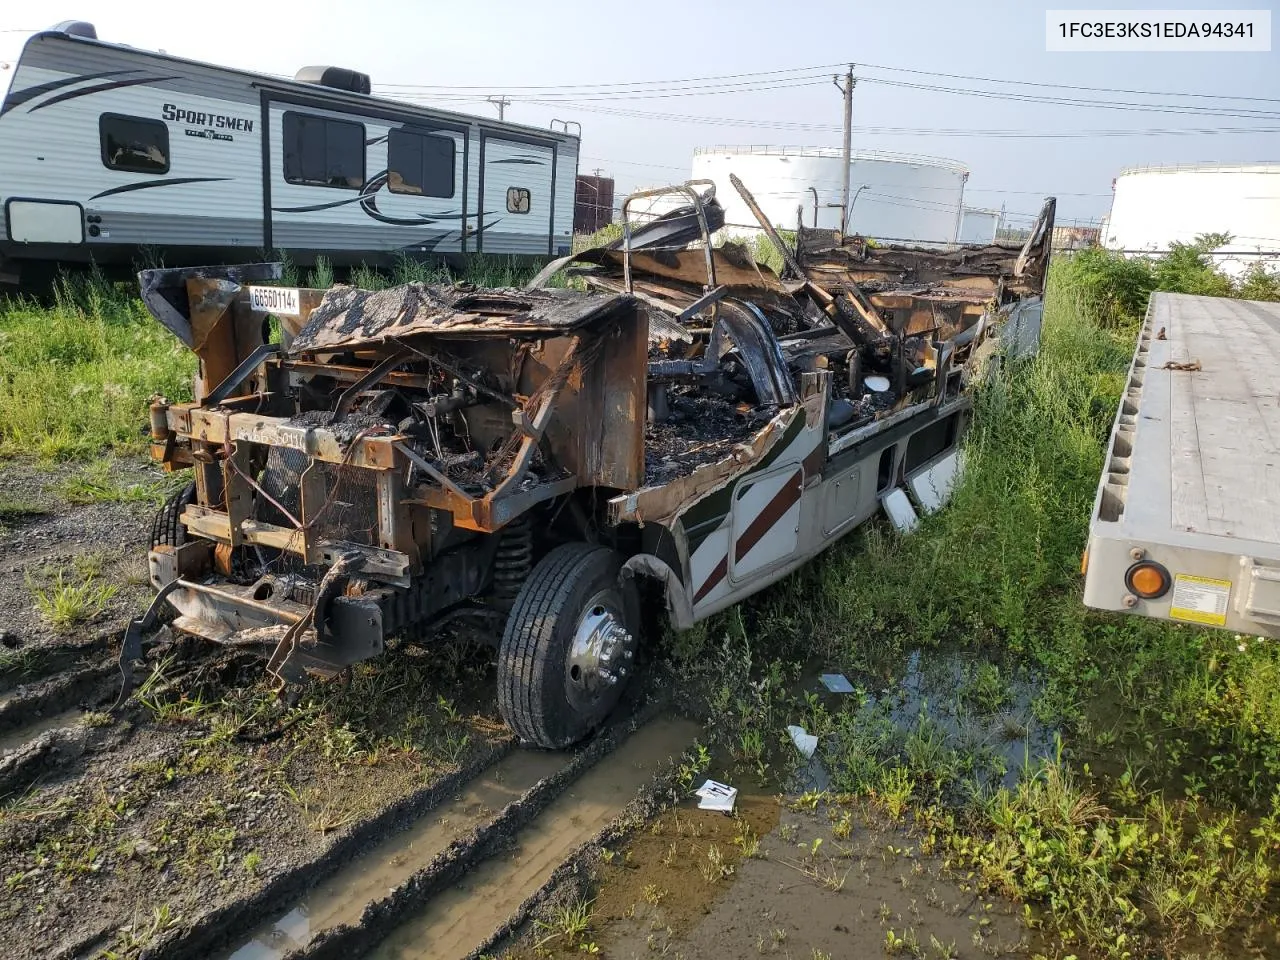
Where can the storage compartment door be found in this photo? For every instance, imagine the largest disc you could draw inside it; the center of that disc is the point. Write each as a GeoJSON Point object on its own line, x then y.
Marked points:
{"type": "Point", "coordinates": [766, 522]}
{"type": "Point", "coordinates": [45, 221]}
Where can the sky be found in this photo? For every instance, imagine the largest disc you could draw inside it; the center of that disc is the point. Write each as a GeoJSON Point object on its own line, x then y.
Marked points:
{"type": "Point", "coordinates": [591, 62]}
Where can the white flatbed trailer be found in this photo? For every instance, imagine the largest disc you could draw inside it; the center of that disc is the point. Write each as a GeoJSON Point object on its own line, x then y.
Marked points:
{"type": "Point", "coordinates": [1190, 493]}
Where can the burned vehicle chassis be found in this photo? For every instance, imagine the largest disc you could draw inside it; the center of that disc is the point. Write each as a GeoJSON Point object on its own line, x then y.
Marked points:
{"type": "Point", "coordinates": [684, 432]}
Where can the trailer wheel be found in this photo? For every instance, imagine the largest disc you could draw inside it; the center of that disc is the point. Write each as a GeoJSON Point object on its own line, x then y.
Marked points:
{"type": "Point", "coordinates": [167, 529]}
{"type": "Point", "coordinates": [568, 646]}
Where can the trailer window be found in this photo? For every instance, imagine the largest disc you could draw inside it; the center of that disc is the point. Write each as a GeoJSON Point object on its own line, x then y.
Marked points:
{"type": "Point", "coordinates": [518, 200]}
{"type": "Point", "coordinates": [420, 164]}
{"type": "Point", "coordinates": [134, 144]}
{"type": "Point", "coordinates": [319, 152]}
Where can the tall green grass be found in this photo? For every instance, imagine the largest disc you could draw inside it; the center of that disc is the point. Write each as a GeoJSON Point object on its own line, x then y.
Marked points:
{"type": "Point", "coordinates": [76, 377]}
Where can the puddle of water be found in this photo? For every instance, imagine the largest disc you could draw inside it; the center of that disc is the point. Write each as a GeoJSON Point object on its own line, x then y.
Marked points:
{"type": "Point", "coordinates": [942, 695]}
{"type": "Point", "coordinates": [11, 740]}
{"type": "Point", "coordinates": [828, 883]}
{"type": "Point", "coordinates": [457, 921]}
{"type": "Point", "coordinates": [343, 897]}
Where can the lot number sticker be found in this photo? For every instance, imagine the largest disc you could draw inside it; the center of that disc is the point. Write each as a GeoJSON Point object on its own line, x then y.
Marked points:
{"type": "Point", "coordinates": [1200, 600]}
{"type": "Point", "coordinates": [282, 301]}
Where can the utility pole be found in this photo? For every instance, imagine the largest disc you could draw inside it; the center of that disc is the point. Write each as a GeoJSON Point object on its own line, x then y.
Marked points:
{"type": "Point", "coordinates": [501, 103]}
{"type": "Point", "coordinates": [847, 89]}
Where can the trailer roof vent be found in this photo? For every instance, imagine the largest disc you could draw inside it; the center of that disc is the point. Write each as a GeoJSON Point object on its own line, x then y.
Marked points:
{"type": "Point", "coordinates": [339, 78]}
{"type": "Point", "coordinates": [77, 28]}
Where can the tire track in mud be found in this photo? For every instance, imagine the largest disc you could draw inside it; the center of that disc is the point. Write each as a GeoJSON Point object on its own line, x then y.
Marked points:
{"type": "Point", "coordinates": [215, 931]}
{"type": "Point", "coordinates": [342, 897]}
{"type": "Point", "coordinates": [463, 920]}
{"type": "Point", "coordinates": [39, 728]}
{"type": "Point", "coordinates": [53, 693]}
{"type": "Point", "coordinates": [46, 662]}
{"type": "Point", "coordinates": [358, 859]}
{"type": "Point", "coordinates": [532, 819]}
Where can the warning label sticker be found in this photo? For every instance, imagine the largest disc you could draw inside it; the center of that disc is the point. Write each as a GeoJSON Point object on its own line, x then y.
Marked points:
{"type": "Point", "coordinates": [1200, 600]}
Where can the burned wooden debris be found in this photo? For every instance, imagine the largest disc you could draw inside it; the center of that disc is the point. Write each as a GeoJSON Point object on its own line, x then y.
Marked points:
{"type": "Point", "coordinates": [894, 325]}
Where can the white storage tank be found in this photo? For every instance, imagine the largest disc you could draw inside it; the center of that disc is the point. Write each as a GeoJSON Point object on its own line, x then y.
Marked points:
{"type": "Point", "coordinates": [1155, 206]}
{"type": "Point", "coordinates": [893, 196]}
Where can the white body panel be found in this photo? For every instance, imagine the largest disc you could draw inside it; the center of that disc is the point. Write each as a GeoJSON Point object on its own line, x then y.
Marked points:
{"type": "Point", "coordinates": [1154, 207]}
{"type": "Point", "coordinates": [915, 199]}
{"type": "Point", "coordinates": [214, 198]}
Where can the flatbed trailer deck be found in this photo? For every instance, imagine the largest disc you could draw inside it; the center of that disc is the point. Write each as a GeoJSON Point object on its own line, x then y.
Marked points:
{"type": "Point", "coordinates": [1186, 523]}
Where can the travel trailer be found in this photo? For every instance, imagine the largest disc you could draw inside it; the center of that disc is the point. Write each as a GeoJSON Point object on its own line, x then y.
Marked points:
{"type": "Point", "coordinates": [113, 154]}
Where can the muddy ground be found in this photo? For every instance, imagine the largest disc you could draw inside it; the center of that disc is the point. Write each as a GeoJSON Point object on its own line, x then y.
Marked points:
{"type": "Point", "coordinates": [790, 879]}
{"type": "Point", "coordinates": [387, 814]}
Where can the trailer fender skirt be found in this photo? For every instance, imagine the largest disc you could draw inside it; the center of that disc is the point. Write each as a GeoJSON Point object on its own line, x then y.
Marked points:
{"type": "Point", "coordinates": [679, 606]}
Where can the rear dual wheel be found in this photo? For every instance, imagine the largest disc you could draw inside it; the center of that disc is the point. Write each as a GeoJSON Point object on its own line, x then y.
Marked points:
{"type": "Point", "coordinates": [569, 646]}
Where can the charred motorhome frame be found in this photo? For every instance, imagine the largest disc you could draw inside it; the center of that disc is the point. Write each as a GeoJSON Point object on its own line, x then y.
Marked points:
{"type": "Point", "coordinates": [688, 430]}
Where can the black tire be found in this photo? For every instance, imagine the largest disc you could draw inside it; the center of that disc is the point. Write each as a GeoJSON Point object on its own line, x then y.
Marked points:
{"type": "Point", "coordinates": [543, 693]}
{"type": "Point", "coordinates": [167, 529]}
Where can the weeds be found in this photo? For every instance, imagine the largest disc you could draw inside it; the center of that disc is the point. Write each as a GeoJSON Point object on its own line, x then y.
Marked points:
{"type": "Point", "coordinates": [714, 867]}
{"type": "Point", "coordinates": [99, 482]}
{"type": "Point", "coordinates": [66, 604]}
{"type": "Point", "coordinates": [569, 922]}
{"type": "Point", "coordinates": [133, 939]}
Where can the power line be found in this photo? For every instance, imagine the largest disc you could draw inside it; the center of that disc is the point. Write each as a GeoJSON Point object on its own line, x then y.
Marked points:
{"type": "Point", "coordinates": [650, 85]}
{"type": "Point", "coordinates": [1239, 113]}
{"type": "Point", "coordinates": [666, 93]}
{"type": "Point", "coordinates": [812, 73]}
{"type": "Point", "coordinates": [808, 127]}
{"type": "Point", "coordinates": [1068, 86]}
{"type": "Point", "coordinates": [630, 83]}
{"type": "Point", "coordinates": [660, 93]}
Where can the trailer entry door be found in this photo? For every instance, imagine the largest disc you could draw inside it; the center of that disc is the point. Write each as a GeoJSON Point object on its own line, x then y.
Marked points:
{"type": "Point", "coordinates": [517, 195]}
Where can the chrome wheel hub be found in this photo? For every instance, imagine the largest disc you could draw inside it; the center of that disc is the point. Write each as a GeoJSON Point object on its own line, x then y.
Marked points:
{"type": "Point", "coordinates": [602, 651]}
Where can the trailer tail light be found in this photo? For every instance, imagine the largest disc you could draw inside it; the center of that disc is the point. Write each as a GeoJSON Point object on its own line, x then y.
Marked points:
{"type": "Point", "coordinates": [1148, 580]}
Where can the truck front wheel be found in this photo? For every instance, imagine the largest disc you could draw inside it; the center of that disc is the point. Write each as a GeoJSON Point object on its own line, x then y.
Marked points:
{"type": "Point", "coordinates": [568, 647]}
